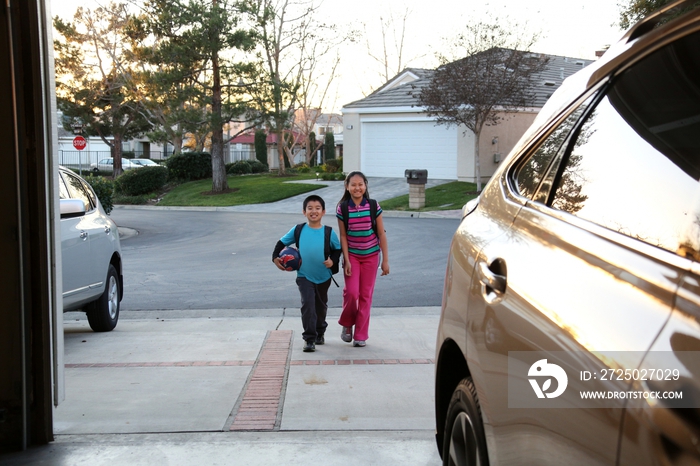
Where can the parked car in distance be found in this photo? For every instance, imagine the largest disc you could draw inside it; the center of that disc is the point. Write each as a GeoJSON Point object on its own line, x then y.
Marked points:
{"type": "Point", "coordinates": [576, 272]}
{"type": "Point", "coordinates": [107, 165]}
{"type": "Point", "coordinates": [145, 162]}
{"type": "Point", "coordinates": [91, 254]}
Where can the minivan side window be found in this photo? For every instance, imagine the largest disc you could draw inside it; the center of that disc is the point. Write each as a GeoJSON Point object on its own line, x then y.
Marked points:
{"type": "Point", "coordinates": [635, 163]}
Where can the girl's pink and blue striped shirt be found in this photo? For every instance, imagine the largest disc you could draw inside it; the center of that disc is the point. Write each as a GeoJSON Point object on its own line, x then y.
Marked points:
{"type": "Point", "coordinates": [362, 240]}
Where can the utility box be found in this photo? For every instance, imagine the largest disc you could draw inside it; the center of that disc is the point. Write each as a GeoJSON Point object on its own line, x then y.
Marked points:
{"type": "Point", "coordinates": [416, 180]}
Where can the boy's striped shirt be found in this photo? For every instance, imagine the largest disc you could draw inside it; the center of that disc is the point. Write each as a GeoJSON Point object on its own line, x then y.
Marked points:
{"type": "Point", "coordinates": [362, 240]}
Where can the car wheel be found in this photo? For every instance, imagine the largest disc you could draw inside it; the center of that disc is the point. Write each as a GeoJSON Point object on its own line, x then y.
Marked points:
{"type": "Point", "coordinates": [465, 443]}
{"type": "Point", "coordinates": [103, 313]}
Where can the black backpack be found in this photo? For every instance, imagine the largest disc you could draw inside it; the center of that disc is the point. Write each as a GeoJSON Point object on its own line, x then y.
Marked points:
{"type": "Point", "coordinates": [334, 254]}
{"type": "Point", "coordinates": [372, 214]}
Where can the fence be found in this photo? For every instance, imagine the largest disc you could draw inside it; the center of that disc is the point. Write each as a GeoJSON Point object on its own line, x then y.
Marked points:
{"type": "Point", "coordinates": [82, 160]}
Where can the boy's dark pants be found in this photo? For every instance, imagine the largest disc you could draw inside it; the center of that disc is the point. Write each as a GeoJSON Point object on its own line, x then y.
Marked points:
{"type": "Point", "coordinates": [314, 305]}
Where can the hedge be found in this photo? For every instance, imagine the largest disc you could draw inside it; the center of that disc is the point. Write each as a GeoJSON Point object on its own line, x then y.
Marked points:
{"type": "Point", "coordinates": [142, 180]}
{"type": "Point", "coordinates": [188, 166]}
{"type": "Point", "coordinates": [104, 190]}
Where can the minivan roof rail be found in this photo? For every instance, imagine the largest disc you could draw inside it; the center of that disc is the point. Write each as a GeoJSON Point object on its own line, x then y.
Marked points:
{"type": "Point", "coordinates": [651, 21]}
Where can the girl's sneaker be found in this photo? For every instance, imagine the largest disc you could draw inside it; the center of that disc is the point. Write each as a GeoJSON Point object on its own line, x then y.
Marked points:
{"type": "Point", "coordinates": [346, 334]}
{"type": "Point", "coordinates": [359, 343]}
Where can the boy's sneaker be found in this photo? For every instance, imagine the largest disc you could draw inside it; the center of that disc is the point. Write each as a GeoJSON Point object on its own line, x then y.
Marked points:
{"type": "Point", "coordinates": [359, 343]}
{"type": "Point", "coordinates": [346, 334]}
{"type": "Point", "coordinates": [320, 340]}
{"type": "Point", "coordinates": [309, 347]}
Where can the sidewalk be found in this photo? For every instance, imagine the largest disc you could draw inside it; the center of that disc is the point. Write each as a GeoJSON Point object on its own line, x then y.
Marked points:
{"type": "Point", "coordinates": [234, 387]}
{"type": "Point", "coordinates": [379, 189]}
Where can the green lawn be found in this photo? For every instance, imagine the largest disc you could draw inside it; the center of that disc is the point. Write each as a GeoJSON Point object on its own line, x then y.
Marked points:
{"type": "Point", "coordinates": [447, 196]}
{"type": "Point", "coordinates": [249, 189]}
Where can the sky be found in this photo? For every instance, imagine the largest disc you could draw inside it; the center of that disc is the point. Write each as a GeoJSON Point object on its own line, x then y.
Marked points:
{"type": "Point", "coordinates": [573, 28]}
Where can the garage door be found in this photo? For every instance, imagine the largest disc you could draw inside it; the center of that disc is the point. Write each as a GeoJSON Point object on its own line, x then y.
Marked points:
{"type": "Point", "coordinates": [389, 148]}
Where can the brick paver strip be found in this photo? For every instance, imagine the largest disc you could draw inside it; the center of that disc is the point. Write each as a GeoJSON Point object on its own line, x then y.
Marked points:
{"type": "Point", "coordinates": [261, 400]}
{"type": "Point", "coordinates": [356, 362]}
{"type": "Point", "coordinates": [270, 370]}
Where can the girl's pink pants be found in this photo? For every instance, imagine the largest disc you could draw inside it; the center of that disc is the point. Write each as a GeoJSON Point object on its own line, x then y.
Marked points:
{"type": "Point", "coordinates": [357, 294]}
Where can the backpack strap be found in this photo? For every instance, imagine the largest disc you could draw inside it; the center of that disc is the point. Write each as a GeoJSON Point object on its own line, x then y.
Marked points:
{"type": "Point", "coordinates": [335, 257]}
{"type": "Point", "coordinates": [373, 214]}
{"type": "Point", "coordinates": [297, 233]}
{"type": "Point", "coordinates": [327, 241]}
{"type": "Point", "coordinates": [344, 212]}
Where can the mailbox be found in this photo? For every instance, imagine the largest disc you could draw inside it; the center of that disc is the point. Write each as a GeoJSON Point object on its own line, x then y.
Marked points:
{"type": "Point", "coordinates": [416, 176]}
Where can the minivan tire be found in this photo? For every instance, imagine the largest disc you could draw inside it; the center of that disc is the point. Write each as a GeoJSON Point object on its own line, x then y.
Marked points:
{"type": "Point", "coordinates": [103, 313]}
{"type": "Point", "coordinates": [464, 441]}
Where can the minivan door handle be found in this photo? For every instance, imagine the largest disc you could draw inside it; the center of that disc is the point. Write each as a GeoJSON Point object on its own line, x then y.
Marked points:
{"type": "Point", "coordinates": [83, 234]}
{"type": "Point", "coordinates": [493, 284]}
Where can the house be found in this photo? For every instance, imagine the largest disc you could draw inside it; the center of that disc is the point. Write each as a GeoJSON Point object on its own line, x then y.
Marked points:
{"type": "Point", "coordinates": [388, 133]}
{"type": "Point", "coordinates": [314, 120]}
{"type": "Point", "coordinates": [244, 144]}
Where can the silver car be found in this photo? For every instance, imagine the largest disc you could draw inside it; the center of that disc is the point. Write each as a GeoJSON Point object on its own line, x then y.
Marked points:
{"type": "Point", "coordinates": [107, 165]}
{"type": "Point", "coordinates": [145, 162]}
{"type": "Point", "coordinates": [92, 262]}
{"type": "Point", "coordinates": [570, 325]}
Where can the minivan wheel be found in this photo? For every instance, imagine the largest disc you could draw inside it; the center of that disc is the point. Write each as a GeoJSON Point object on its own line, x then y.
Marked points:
{"type": "Point", "coordinates": [103, 313]}
{"type": "Point", "coordinates": [464, 441]}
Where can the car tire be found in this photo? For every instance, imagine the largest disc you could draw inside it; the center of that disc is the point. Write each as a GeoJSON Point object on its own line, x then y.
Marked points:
{"type": "Point", "coordinates": [103, 313]}
{"type": "Point", "coordinates": [464, 441]}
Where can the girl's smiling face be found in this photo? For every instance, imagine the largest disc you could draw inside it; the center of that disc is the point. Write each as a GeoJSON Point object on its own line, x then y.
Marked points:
{"type": "Point", "coordinates": [356, 187]}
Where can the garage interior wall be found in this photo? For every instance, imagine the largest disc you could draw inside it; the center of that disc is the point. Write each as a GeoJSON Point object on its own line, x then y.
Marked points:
{"type": "Point", "coordinates": [25, 230]}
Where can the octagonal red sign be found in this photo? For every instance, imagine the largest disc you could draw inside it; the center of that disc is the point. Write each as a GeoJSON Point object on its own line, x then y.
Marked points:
{"type": "Point", "coordinates": [79, 142]}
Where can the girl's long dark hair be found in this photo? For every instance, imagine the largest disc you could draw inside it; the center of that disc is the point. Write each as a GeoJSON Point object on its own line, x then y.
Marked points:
{"type": "Point", "coordinates": [346, 194]}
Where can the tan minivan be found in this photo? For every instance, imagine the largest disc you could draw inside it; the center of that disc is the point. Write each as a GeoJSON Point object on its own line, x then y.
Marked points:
{"type": "Point", "coordinates": [570, 325]}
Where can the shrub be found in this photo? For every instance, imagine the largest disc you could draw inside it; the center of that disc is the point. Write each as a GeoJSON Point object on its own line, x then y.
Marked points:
{"type": "Point", "coordinates": [188, 166]}
{"type": "Point", "coordinates": [302, 168]}
{"type": "Point", "coordinates": [257, 166]}
{"type": "Point", "coordinates": [141, 181]}
{"type": "Point", "coordinates": [104, 190]}
{"type": "Point", "coordinates": [334, 165]}
{"type": "Point", "coordinates": [241, 167]}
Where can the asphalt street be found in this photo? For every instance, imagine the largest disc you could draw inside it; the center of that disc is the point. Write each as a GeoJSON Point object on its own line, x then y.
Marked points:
{"type": "Point", "coordinates": [208, 258]}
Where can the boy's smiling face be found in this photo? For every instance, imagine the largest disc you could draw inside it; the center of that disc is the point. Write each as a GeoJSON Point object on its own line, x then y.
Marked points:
{"type": "Point", "coordinates": [314, 212]}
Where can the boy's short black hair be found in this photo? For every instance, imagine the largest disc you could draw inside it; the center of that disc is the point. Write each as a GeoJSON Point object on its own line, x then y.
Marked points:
{"type": "Point", "coordinates": [315, 197]}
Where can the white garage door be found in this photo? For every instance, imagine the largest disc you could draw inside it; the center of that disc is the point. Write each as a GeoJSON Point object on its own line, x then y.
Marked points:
{"type": "Point", "coordinates": [389, 148]}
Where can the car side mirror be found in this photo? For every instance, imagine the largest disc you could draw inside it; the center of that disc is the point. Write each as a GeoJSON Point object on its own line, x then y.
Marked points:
{"type": "Point", "coordinates": [71, 208]}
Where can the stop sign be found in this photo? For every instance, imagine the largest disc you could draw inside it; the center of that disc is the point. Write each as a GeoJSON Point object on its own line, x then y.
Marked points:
{"type": "Point", "coordinates": [79, 142]}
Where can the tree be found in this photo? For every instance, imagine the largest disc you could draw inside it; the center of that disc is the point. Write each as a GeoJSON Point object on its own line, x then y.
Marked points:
{"type": "Point", "coordinates": [200, 40]}
{"type": "Point", "coordinates": [495, 76]}
{"type": "Point", "coordinates": [95, 77]}
{"type": "Point", "coordinates": [329, 146]}
{"type": "Point", "coordinates": [636, 10]}
{"type": "Point", "coordinates": [291, 44]}
{"type": "Point", "coordinates": [261, 146]}
{"type": "Point", "coordinates": [389, 54]}
{"type": "Point", "coordinates": [312, 147]}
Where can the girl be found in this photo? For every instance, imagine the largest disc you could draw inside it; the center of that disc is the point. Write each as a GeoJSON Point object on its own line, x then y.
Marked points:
{"type": "Point", "coordinates": [362, 237]}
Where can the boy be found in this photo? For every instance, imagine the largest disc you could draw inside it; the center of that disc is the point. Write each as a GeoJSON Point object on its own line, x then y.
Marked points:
{"type": "Point", "coordinates": [314, 275]}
